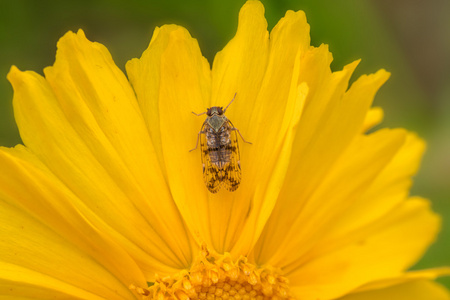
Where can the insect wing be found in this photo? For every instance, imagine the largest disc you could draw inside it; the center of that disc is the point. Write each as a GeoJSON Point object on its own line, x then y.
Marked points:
{"type": "Point", "coordinates": [232, 170]}
{"type": "Point", "coordinates": [211, 173]}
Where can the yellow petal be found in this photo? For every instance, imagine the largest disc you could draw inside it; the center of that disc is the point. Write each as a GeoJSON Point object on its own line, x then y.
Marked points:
{"type": "Point", "coordinates": [88, 130]}
{"type": "Point", "coordinates": [416, 290]}
{"type": "Point", "coordinates": [428, 274]}
{"type": "Point", "coordinates": [311, 155]}
{"type": "Point", "coordinates": [223, 221]}
{"type": "Point", "coordinates": [47, 248]}
{"type": "Point", "coordinates": [151, 81]}
{"type": "Point", "coordinates": [315, 71]}
{"type": "Point", "coordinates": [388, 190]}
{"type": "Point", "coordinates": [184, 87]}
{"type": "Point", "coordinates": [47, 199]}
{"type": "Point", "coordinates": [278, 107]}
{"type": "Point", "coordinates": [373, 117]}
{"type": "Point", "coordinates": [17, 281]}
{"type": "Point", "coordinates": [333, 119]}
{"type": "Point", "coordinates": [144, 75]}
{"type": "Point", "coordinates": [240, 66]}
{"type": "Point", "coordinates": [382, 250]}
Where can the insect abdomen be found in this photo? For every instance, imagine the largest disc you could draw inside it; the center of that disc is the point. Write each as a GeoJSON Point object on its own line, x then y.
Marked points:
{"type": "Point", "coordinates": [219, 146]}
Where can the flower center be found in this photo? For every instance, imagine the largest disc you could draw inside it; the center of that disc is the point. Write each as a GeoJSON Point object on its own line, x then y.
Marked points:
{"type": "Point", "coordinates": [219, 277]}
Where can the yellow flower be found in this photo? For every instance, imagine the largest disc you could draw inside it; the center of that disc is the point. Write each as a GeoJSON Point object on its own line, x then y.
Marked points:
{"type": "Point", "coordinates": [105, 201]}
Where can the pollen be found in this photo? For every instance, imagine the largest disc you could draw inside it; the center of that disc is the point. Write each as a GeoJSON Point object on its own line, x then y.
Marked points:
{"type": "Point", "coordinates": [219, 277]}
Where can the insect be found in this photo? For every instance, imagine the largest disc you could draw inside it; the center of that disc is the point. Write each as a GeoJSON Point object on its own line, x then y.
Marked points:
{"type": "Point", "coordinates": [220, 150]}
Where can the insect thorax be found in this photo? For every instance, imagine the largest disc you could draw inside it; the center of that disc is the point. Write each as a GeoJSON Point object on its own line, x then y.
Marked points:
{"type": "Point", "coordinates": [217, 138]}
{"type": "Point", "coordinates": [215, 122]}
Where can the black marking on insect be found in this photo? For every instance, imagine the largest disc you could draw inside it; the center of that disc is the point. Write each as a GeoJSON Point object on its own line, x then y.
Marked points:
{"type": "Point", "coordinates": [219, 150]}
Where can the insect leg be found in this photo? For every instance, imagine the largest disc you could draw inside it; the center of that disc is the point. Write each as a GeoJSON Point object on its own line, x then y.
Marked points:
{"type": "Point", "coordinates": [240, 135]}
{"type": "Point", "coordinates": [198, 137]}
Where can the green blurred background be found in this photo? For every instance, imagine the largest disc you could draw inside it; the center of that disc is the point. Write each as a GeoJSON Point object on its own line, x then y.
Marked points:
{"type": "Point", "coordinates": [409, 38]}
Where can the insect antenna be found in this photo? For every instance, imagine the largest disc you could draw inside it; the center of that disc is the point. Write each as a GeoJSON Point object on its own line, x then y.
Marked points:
{"type": "Point", "coordinates": [199, 113]}
{"type": "Point", "coordinates": [229, 103]}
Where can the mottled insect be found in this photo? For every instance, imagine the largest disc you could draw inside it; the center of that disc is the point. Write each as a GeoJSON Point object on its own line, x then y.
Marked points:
{"type": "Point", "coordinates": [220, 150]}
